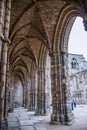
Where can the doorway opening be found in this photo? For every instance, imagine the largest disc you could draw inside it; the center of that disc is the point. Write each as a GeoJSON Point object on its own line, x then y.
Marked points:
{"type": "Point", "coordinates": [77, 64]}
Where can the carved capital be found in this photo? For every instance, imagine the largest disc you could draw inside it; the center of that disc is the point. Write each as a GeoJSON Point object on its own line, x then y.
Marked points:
{"type": "Point", "coordinates": [6, 40]}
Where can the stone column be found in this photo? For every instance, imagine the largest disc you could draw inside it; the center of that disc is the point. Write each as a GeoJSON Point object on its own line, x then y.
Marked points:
{"type": "Point", "coordinates": [66, 96]}
{"type": "Point", "coordinates": [60, 89]}
{"type": "Point", "coordinates": [36, 84]}
{"type": "Point", "coordinates": [41, 106]}
{"type": "Point", "coordinates": [2, 13]}
{"type": "Point", "coordinates": [34, 90]}
{"type": "Point", "coordinates": [43, 92]}
{"type": "Point", "coordinates": [2, 9]}
{"type": "Point", "coordinates": [26, 93]}
{"type": "Point", "coordinates": [6, 91]}
{"type": "Point", "coordinates": [28, 98]}
{"type": "Point", "coordinates": [56, 87]}
{"type": "Point", "coordinates": [11, 94]}
{"type": "Point", "coordinates": [32, 93]}
{"type": "Point", "coordinates": [4, 49]}
{"type": "Point", "coordinates": [23, 95]}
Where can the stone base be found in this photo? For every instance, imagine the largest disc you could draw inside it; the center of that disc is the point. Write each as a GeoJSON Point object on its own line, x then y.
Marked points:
{"type": "Point", "coordinates": [29, 109]}
{"type": "Point", "coordinates": [55, 123]}
{"type": "Point", "coordinates": [68, 123]}
{"type": "Point", "coordinates": [69, 116]}
{"type": "Point", "coordinates": [59, 120]}
{"type": "Point", "coordinates": [3, 126]}
{"type": "Point", "coordinates": [40, 113]}
{"type": "Point", "coordinates": [6, 122]}
{"type": "Point", "coordinates": [55, 119]}
{"type": "Point", "coordinates": [61, 123]}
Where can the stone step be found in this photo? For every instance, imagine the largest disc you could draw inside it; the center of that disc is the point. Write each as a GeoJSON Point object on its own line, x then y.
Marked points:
{"type": "Point", "coordinates": [40, 127]}
{"type": "Point", "coordinates": [27, 128]}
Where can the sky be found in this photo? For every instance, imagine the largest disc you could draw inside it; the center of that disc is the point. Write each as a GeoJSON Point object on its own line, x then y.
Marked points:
{"type": "Point", "coordinates": [78, 38]}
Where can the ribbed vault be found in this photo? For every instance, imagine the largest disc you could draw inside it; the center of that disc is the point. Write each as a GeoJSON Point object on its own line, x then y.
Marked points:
{"type": "Point", "coordinates": [36, 25]}
{"type": "Point", "coordinates": [34, 48]}
{"type": "Point", "coordinates": [27, 35]}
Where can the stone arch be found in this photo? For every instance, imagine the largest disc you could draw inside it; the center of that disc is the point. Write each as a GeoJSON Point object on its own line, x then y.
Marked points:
{"type": "Point", "coordinates": [59, 61]}
{"type": "Point", "coordinates": [64, 24]}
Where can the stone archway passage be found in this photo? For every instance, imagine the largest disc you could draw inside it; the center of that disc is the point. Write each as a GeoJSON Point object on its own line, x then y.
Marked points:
{"type": "Point", "coordinates": [29, 31]}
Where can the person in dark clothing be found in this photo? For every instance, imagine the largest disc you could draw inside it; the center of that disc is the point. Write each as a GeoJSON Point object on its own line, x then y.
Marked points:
{"type": "Point", "coordinates": [72, 105]}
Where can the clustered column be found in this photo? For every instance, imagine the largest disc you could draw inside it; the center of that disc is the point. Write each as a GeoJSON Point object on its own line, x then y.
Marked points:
{"type": "Point", "coordinates": [41, 106]}
{"type": "Point", "coordinates": [25, 94]}
{"type": "Point", "coordinates": [4, 28]}
{"type": "Point", "coordinates": [61, 104]}
{"type": "Point", "coordinates": [66, 96]}
{"type": "Point", "coordinates": [2, 6]}
{"type": "Point", "coordinates": [11, 94]}
{"type": "Point", "coordinates": [7, 89]}
{"type": "Point", "coordinates": [56, 87]}
{"type": "Point", "coordinates": [32, 93]}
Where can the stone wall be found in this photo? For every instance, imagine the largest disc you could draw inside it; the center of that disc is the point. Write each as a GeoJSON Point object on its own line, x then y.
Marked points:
{"type": "Point", "coordinates": [78, 83]}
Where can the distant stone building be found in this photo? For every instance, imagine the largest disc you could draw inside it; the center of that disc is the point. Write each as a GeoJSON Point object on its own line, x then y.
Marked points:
{"type": "Point", "coordinates": [78, 77]}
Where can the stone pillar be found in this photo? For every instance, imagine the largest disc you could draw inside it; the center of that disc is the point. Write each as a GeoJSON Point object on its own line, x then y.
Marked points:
{"type": "Point", "coordinates": [2, 8]}
{"type": "Point", "coordinates": [41, 106]}
{"type": "Point", "coordinates": [48, 88]}
{"type": "Point", "coordinates": [32, 93]}
{"type": "Point", "coordinates": [11, 94]}
{"type": "Point", "coordinates": [36, 84]}
{"type": "Point", "coordinates": [66, 96]}
{"type": "Point", "coordinates": [23, 95]}
{"type": "Point", "coordinates": [26, 93]}
{"type": "Point", "coordinates": [6, 91]}
{"type": "Point", "coordinates": [34, 90]}
{"type": "Point", "coordinates": [60, 89]}
{"type": "Point", "coordinates": [43, 92]}
{"type": "Point", "coordinates": [55, 87]}
{"type": "Point", "coordinates": [1, 82]}
{"type": "Point", "coordinates": [4, 54]}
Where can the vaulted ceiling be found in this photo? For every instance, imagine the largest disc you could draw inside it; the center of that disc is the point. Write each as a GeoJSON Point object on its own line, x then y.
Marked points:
{"type": "Point", "coordinates": [33, 24]}
{"type": "Point", "coordinates": [27, 35]}
{"type": "Point", "coordinates": [31, 28]}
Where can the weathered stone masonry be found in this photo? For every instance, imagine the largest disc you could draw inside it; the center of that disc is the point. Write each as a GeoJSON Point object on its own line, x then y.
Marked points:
{"type": "Point", "coordinates": [4, 50]}
{"type": "Point", "coordinates": [37, 29]}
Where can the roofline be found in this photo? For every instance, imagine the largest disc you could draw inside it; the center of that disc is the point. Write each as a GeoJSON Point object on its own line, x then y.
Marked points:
{"type": "Point", "coordinates": [76, 54]}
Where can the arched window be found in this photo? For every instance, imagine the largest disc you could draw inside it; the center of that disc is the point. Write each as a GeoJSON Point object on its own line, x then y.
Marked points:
{"type": "Point", "coordinates": [74, 64]}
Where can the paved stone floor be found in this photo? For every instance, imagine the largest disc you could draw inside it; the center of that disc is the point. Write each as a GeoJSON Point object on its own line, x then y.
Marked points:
{"type": "Point", "coordinates": [22, 119]}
